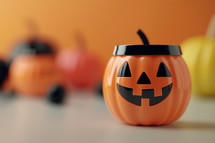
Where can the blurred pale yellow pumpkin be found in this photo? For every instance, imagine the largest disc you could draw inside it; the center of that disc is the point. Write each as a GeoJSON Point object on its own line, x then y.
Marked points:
{"type": "Point", "coordinates": [199, 53]}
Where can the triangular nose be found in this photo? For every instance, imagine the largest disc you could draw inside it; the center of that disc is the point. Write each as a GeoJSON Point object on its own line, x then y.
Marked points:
{"type": "Point", "coordinates": [143, 79]}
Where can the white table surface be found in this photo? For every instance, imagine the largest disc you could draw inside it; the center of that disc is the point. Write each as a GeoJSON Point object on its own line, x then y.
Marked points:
{"type": "Point", "coordinates": [85, 118]}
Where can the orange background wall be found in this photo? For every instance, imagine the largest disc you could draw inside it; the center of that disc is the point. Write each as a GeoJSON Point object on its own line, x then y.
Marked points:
{"type": "Point", "coordinates": [105, 23]}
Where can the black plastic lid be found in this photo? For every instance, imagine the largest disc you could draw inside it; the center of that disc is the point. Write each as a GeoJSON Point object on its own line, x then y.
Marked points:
{"type": "Point", "coordinates": [31, 47]}
{"type": "Point", "coordinates": [147, 50]}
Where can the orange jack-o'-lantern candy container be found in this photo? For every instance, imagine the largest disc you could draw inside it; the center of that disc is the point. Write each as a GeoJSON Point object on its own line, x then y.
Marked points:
{"type": "Point", "coordinates": [147, 84]}
{"type": "Point", "coordinates": [33, 69]}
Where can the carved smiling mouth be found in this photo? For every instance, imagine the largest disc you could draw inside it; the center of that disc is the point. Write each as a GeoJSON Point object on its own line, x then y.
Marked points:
{"type": "Point", "coordinates": [127, 94]}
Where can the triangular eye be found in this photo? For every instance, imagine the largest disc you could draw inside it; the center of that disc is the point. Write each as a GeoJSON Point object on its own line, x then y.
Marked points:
{"type": "Point", "coordinates": [163, 71]}
{"type": "Point", "coordinates": [124, 71]}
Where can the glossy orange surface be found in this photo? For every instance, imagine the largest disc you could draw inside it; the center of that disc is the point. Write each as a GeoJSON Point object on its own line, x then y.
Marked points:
{"type": "Point", "coordinates": [33, 75]}
{"type": "Point", "coordinates": [167, 111]}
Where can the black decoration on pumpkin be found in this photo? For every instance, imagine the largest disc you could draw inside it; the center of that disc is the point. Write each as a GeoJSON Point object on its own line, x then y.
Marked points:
{"type": "Point", "coordinates": [124, 71]}
{"type": "Point", "coordinates": [31, 47]}
{"type": "Point", "coordinates": [163, 71]}
{"type": "Point", "coordinates": [56, 94]}
{"type": "Point", "coordinates": [3, 72]}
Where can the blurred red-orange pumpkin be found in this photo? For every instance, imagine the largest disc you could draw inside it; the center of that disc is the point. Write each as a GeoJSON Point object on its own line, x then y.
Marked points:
{"type": "Point", "coordinates": [80, 68]}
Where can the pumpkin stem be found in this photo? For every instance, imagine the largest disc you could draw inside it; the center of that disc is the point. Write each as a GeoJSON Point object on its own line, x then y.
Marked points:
{"type": "Point", "coordinates": [33, 28]}
{"type": "Point", "coordinates": [143, 37]}
{"type": "Point", "coordinates": [80, 40]}
{"type": "Point", "coordinates": [211, 28]}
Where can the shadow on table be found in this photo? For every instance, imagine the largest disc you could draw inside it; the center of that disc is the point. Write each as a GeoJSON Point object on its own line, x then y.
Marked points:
{"type": "Point", "coordinates": [183, 125]}
{"type": "Point", "coordinates": [190, 125]}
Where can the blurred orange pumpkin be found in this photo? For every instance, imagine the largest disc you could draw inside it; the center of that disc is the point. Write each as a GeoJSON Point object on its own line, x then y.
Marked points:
{"type": "Point", "coordinates": [33, 75]}
{"type": "Point", "coordinates": [32, 67]}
